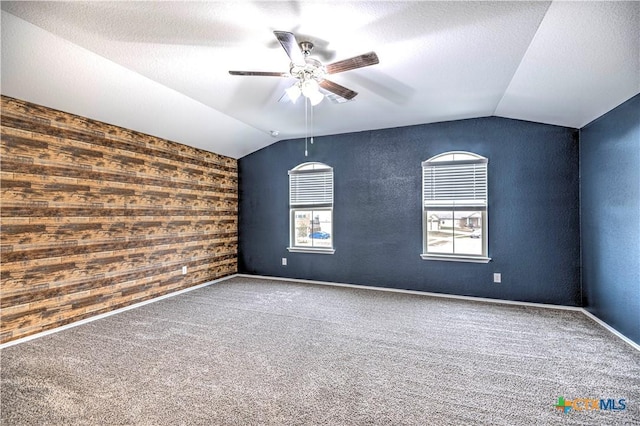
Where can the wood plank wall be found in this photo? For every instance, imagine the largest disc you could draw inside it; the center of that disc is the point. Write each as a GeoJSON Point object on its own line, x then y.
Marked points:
{"type": "Point", "coordinates": [96, 217]}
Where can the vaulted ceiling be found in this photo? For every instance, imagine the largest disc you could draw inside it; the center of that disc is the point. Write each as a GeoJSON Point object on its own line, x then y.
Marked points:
{"type": "Point", "coordinates": [162, 67]}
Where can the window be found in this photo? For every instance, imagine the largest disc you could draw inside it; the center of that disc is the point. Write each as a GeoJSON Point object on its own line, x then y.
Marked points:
{"type": "Point", "coordinates": [311, 208]}
{"type": "Point", "coordinates": [454, 194]}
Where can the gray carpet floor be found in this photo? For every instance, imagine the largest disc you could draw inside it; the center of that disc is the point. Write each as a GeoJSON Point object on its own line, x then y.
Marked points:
{"type": "Point", "coordinates": [265, 352]}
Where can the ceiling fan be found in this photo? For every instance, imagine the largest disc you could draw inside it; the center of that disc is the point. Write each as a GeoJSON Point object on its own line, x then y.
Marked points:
{"type": "Point", "coordinates": [310, 72]}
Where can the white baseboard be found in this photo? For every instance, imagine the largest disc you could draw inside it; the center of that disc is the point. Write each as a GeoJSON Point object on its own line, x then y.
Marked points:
{"type": "Point", "coordinates": [114, 312]}
{"type": "Point", "coordinates": [419, 293]}
{"type": "Point", "coordinates": [611, 329]}
{"type": "Point", "coordinates": [453, 296]}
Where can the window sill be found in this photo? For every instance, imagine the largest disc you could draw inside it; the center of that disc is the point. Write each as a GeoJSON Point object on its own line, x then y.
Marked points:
{"type": "Point", "coordinates": [451, 258]}
{"type": "Point", "coordinates": [310, 250]}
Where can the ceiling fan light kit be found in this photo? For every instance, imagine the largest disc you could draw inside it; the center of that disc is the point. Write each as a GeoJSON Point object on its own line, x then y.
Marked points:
{"type": "Point", "coordinates": [294, 92]}
{"type": "Point", "coordinates": [308, 87]}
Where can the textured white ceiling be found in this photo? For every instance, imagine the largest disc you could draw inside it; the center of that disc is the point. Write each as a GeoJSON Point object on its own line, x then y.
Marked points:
{"type": "Point", "coordinates": [162, 67]}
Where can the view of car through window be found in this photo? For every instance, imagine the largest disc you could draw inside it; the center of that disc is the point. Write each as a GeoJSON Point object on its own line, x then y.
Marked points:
{"type": "Point", "coordinates": [313, 228]}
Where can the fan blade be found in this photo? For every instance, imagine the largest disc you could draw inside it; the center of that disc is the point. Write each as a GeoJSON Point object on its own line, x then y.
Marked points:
{"type": "Point", "coordinates": [339, 90]}
{"type": "Point", "coordinates": [290, 45]}
{"type": "Point", "coordinates": [352, 63]}
{"type": "Point", "coordinates": [260, 73]}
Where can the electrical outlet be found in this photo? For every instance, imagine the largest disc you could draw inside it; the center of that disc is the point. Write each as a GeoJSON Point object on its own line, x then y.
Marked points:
{"type": "Point", "coordinates": [284, 261]}
{"type": "Point", "coordinates": [497, 277]}
{"type": "Point", "coordinates": [184, 270]}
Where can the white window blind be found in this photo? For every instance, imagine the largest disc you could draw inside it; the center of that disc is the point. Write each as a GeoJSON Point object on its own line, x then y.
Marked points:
{"type": "Point", "coordinates": [311, 188]}
{"type": "Point", "coordinates": [455, 183]}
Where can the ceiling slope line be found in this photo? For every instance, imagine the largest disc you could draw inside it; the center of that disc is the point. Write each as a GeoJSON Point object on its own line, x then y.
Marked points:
{"type": "Point", "coordinates": [524, 55]}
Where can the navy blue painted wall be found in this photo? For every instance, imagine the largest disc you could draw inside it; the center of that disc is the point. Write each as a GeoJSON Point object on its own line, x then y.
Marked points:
{"type": "Point", "coordinates": [610, 211]}
{"type": "Point", "coordinates": [533, 210]}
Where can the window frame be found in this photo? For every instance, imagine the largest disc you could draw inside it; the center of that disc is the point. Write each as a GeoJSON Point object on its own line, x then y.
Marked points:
{"type": "Point", "coordinates": [319, 199]}
{"type": "Point", "coordinates": [430, 203]}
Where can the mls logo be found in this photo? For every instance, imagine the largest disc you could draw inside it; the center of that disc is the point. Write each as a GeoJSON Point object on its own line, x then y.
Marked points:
{"type": "Point", "coordinates": [610, 404]}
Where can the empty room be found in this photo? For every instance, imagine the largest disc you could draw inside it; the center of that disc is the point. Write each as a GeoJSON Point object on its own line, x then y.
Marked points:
{"type": "Point", "coordinates": [320, 213]}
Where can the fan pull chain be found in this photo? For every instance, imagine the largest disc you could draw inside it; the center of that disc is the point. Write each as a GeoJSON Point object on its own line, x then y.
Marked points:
{"type": "Point", "coordinates": [306, 129]}
{"type": "Point", "coordinates": [311, 123]}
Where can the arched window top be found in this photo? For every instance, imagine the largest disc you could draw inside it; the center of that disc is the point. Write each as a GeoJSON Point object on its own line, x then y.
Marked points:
{"type": "Point", "coordinates": [455, 157]}
{"type": "Point", "coordinates": [456, 178]}
{"type": "Point", "coordinates": [311, 166]}
{"type": "Point", "coordinates": [311, 184]}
